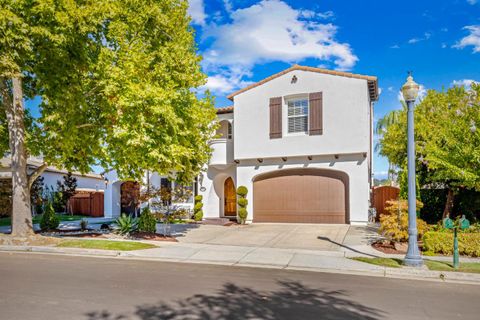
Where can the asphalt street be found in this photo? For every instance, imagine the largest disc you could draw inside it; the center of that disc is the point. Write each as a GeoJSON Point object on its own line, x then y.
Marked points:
{"type": "Point", "coordinates": [37, 286]}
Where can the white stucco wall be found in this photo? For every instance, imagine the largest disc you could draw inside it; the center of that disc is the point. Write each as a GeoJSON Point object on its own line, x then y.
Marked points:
{"type": "Point", "coordinates": [213, 186]}
{"type": "Point", "coordinates": [355, 166]}
{"type": "Point", "coordinates": [83, 182]}
{"type": "Point", "coordinates": [346, 108]}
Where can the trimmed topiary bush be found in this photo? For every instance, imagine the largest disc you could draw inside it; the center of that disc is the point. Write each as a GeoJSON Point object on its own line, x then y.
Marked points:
{"type": "Point", "coordinates": [197, 209]}
{"type": "Point", "coordinates": [49, 220]}
{"type": "Point", "coordinates": [147, 221]}
{"type": "Point", "coordinates": [242, 201]}
{"type": "Point", "coordinates": [442, 243]}
{"type": "Point", "coordinates": [242, 191]}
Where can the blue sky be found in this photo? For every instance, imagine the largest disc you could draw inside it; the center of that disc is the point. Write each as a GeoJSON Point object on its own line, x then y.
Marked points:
{"type": "Point", "coordinates": [243, 41]}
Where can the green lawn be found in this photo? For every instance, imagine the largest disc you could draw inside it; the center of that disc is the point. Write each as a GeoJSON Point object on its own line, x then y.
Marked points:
{"type": "Point", "coordinates": [385, 262]}
{"type": "Point", "coordinates": [106, 245]}
{"type": "Point", "coordinates": [63, 217]}
{"type": "Point", "coordinates": [471, 267]}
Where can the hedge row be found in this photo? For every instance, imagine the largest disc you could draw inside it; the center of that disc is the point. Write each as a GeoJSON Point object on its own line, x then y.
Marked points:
{"type": "Point", "coordinates": [466, 202]}
{"type": "Point", "coordinates": [442, 242]}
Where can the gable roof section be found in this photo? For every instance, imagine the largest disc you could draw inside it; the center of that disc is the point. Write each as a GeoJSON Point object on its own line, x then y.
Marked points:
{"type": "Point", "coordinates": [372, 81]}
{"type": "Point", "coordinates": [225, 110]}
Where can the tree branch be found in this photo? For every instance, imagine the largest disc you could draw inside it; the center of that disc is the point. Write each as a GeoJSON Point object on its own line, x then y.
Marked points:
{"type": "Point", "coordinates": [35, 174]}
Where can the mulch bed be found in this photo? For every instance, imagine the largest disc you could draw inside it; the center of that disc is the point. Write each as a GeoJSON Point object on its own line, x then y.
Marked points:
{"type": "Point", "coordinates": [388, 247]}
{"type": "Point", "coordinates": [153, 237]}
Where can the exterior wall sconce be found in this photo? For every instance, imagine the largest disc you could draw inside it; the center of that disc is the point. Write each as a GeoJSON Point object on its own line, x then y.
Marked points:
{"type": "Point", "coordinates": [236, 161]}
{"type": "Point", "coordinates": [294, 79]}
{"type": "Point", "coordinates": [284, 159]}
{"type": "Point", "coordinates": [260, 160]}
{"type": "Point", "coordinates": [337, 156]}
{"type": "Point", "coordinates": [364, 154]}
{"type": "Point", "coordinates": [310, 158]}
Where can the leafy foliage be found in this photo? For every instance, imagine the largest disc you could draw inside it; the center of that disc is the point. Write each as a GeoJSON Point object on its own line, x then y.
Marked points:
{"type": "Point", "coordinates": [49, 219]}
{"type": "Point", "coordinates": [197, 209]}
{"type": "Point", "coordinates": [126, 224]}
{"type": "Point", "coordinates": [147, 221]}
{"type": "Point", "coordinates": [36, 195]}
{"type": "Point", "coordinates": [446, 135]}
{"type": "Point", "coordinates": [67, 189]}
{"type": "Point", "coordinates": [117, 85]}
{"type": "Point", "coordinates": [442, 242]}
{"type": "Point", "coordinates": [242, 201]}
{"type": "Point", "coordinates": [394, 224]}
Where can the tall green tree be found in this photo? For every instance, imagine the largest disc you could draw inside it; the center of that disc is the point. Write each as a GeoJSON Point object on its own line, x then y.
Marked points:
{"type": "Point", "coordinates": [447, 140]}
{"type": "Point", "coordinates": [115, 79]}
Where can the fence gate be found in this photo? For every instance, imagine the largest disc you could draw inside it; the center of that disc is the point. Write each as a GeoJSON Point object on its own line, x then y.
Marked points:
{"type": "Point", "coordinates": [88, 204]}
{"type": "Point", "coordinates": [381, 195]}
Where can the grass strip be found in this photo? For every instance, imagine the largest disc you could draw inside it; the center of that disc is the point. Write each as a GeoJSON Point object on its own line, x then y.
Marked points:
{"type": "Point", "coordinates": [106, 245]}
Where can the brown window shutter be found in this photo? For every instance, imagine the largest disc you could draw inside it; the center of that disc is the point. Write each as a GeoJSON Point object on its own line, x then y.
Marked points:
{"type": "Point", "coordinates": [275, 118]}
{"type": "Point", "coordinates": [316, 113]}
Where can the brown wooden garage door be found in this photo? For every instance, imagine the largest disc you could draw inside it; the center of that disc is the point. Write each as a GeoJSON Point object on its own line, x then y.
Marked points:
{"type": "Point", "coordinates": [301, 195]}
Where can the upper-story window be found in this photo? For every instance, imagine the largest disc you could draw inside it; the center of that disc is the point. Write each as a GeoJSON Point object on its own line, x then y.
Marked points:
{"type": "Point", "coordinates": [297, 115]}
{"type": "Point", "coordinates": [224, 131]}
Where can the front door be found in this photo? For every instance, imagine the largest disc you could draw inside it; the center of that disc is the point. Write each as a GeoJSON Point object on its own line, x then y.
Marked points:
{"type": "Point", "coordinates": [230, 198]}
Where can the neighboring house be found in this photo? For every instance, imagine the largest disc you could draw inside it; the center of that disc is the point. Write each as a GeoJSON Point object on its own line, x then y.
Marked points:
{"type": "Point", "coordinates": [85, 182]}
{"type": "Point", "coordinates": [301, 142]}
{"type": "Point", "coordinates": [122, 196]}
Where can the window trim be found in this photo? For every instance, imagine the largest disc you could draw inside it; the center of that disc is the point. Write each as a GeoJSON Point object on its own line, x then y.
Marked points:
{"type": "Point", "coordinates": [286, 100]}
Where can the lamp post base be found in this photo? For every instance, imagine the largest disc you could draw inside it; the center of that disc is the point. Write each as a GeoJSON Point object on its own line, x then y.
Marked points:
{"type": "Point", "coordinates": [415, 261]}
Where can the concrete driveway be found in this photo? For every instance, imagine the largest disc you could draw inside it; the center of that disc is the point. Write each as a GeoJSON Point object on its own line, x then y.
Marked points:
{"type": "Point", "coordinates": [266, 235]}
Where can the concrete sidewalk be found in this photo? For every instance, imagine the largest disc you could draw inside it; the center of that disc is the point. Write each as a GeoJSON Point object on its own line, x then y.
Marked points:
{"type": "Point", "coordinates": [289, 259]}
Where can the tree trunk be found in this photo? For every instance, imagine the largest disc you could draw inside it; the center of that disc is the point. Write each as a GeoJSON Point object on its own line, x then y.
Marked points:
{"type": "Point", "coordinates": [21, 213]}
{"type": "Point", "coordinates": [449, 204]}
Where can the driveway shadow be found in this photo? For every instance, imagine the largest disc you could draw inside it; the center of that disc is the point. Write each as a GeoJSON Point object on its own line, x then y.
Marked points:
{"type": "Point", "coordinates": [292, 300]}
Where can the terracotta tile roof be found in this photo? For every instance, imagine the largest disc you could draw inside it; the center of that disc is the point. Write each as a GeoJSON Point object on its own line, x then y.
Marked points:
{"type": "Point", "coordinates": [372, 81]}
{"type": "Point", "coordinates": [225, 110]}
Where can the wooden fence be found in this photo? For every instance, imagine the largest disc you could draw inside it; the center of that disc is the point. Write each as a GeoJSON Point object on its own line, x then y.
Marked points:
{"type": "Point", "coordinates": [89, 204]}
{"type": "Point", "coordinates": [381, 195]}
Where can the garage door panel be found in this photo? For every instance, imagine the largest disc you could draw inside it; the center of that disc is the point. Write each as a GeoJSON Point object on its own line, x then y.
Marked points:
{"type": "Point", "coordinates": [300, 198]}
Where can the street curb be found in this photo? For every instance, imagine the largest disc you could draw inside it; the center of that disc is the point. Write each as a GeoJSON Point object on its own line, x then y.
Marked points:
{"type": "Point", "coordinates": [383, 272]}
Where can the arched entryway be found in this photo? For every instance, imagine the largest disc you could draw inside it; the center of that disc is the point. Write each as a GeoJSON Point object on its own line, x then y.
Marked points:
{"type": "Point", "coordinates": [305, 195]}
{"type": "Point", "coordinates": [129, 194]}
{"type": "Point", "coordinates": [229, 198]}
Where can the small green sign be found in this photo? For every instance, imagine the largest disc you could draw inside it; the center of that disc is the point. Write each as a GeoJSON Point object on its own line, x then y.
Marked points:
{"type": "Point", "coordinates": [448, 223]}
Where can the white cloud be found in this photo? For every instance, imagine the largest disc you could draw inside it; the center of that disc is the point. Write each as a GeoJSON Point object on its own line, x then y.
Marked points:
{"type": "Point", "coordinates": [228, 5]}
{"type": "Point", "coordinates": [426, 36]}
{"type": "Point", "coordinates": [473, 39]}
{"type": "Point", "coordinates": [463, 83]}
{"type": "Point", "coordinates": [226, 82]}
{"type": "Point", "coordinates": [472, 2]}
{"type": "Point", "coordinates": [255, 35]}
{"type": "Point", "coordinates": [395, 46]}
{"type": "Point", "coordinates": [390, 89]}
{"type": "Point", "coordinates": [196, 10]}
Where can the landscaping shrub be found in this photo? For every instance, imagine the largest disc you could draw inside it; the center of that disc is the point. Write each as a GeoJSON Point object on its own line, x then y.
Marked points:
{"type": "Point", "coordinates": [242, 201]}
{"type": "Point", "coordinates": [83, 224]}
{"type": "Point", "coordinates": [394, 224]}
{"type": "Point", "coordinates": [197, 209]}
{"type": "Point", "coordinates": [466, 202]}
{"type": "Point", "coordinates": [442, 242]}
{"type": "Point", "coordinates": [126, 224]}
{"type": "Point", "coordinates": [49, 220]}
{"type": "Point", "coordinates": [242, 191]}
{"type": "Point", "coordinates": [147, 221]}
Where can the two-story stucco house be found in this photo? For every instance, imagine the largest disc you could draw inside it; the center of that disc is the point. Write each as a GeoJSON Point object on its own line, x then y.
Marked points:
{"type": "Point", "coordinates": [301, 142]}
